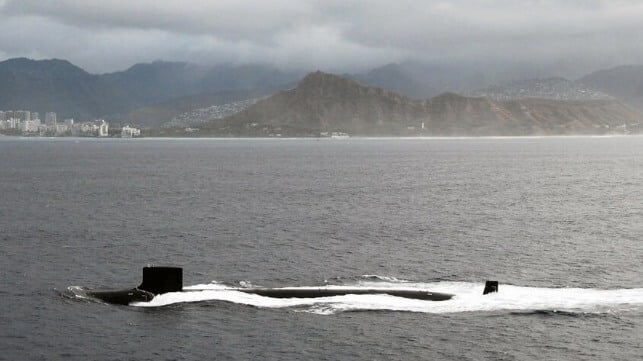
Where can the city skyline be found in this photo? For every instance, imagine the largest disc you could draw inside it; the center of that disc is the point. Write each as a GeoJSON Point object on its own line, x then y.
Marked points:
{"type": "Point", "coordinates": [29, 123]}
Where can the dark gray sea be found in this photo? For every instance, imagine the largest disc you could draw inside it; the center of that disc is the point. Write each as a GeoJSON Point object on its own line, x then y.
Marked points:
{"type": "Point", "coordinates": [558, 221]}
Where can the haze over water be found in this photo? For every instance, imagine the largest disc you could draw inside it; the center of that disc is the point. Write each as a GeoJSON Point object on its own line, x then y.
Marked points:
{"type": "Point", "coordinates": [556, 220]}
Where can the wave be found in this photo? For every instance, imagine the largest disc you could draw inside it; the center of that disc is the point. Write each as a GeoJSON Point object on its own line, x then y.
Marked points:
{"type": "Point", "coordinates": [383, 278]}
{"type": "Point", "coordinates": [468, 298]}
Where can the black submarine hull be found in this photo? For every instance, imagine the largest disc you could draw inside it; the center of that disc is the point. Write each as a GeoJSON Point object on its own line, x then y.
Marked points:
{"type": "Point", "coordinates": [122, 297]}
{"type": "Point", "coordinates": [159, 280]}
{"type": "Point", "coordinates": [156, 280]}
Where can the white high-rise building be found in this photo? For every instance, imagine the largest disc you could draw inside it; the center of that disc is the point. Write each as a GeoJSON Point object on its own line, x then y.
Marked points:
{"type": "Point", "coordinates": [22, 115]}
{"type": "Point", "coordinates": [50, 118]}
{"type": "Point", "coordinates": [103, 128]}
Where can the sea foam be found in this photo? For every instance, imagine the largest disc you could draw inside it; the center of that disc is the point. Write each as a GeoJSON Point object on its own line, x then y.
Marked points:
{"type": "Point", "coordinates": [468, 298]}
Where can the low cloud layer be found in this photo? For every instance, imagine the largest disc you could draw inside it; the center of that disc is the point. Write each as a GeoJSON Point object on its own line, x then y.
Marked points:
{"type": "Point", "coordinates": [336, 35]}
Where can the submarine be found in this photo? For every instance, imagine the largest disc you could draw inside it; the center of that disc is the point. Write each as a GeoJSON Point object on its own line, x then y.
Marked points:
{"type": "Point", "coordinates": [161, 279]}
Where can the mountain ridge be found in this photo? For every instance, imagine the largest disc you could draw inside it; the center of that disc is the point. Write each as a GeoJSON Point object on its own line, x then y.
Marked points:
{"type": "Point", "coordinates": [323, 103]}
{"type": "Point", "coordinates": [59, 86]}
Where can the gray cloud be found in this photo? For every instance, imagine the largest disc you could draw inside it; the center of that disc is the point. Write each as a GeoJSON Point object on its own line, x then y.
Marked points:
{"type": "Point", "coordinates": [334, 35]}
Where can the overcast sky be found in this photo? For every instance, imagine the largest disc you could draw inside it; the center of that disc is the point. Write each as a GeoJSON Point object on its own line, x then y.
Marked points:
{"type": "Point", "coordinates": [333, 35]}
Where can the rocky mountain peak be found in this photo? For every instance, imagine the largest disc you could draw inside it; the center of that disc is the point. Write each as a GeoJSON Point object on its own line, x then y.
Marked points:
{"type": "Point", "coordinates": [321, 80]}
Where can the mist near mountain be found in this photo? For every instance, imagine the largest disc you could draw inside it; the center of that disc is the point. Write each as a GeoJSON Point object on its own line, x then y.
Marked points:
{"type": "Point", "coordinates": [524, 37]}
{"type": "Point", "coordinates": [623, 82]}
{"type": "Point", "coordinates": [59, 86]}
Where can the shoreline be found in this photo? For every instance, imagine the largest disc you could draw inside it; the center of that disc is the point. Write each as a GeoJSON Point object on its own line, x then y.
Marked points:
{"type": "Point", "coordinates": [500, 137]}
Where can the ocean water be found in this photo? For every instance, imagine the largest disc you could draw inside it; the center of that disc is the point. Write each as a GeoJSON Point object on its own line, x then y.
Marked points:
{"type": "Point", "coordinates": [558, 221]}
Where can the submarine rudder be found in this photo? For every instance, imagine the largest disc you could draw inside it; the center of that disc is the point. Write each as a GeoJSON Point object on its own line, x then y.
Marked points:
{"type": "Point", "coordinates": [490, 287]}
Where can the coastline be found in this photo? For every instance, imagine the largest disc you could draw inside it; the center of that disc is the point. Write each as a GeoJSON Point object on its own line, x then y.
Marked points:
{"type": "Point", "coordinates": [327, 139]}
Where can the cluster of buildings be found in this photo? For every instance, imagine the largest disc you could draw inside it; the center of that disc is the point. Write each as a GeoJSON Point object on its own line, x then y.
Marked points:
{"type": "Point", "coordinates": [29, 123]}
{"type": "Point", "coordinates": [130, 132]}
{"type": "Point", "coordinates": [203, 115]}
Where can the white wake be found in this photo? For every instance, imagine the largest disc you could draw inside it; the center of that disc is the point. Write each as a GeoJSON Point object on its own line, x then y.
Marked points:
{"type": "Point", "coordinates": [468, 298]}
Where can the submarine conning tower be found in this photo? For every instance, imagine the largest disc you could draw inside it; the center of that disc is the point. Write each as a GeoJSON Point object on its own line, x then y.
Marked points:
{"type": "Point", "coordinates": [159, 280]}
